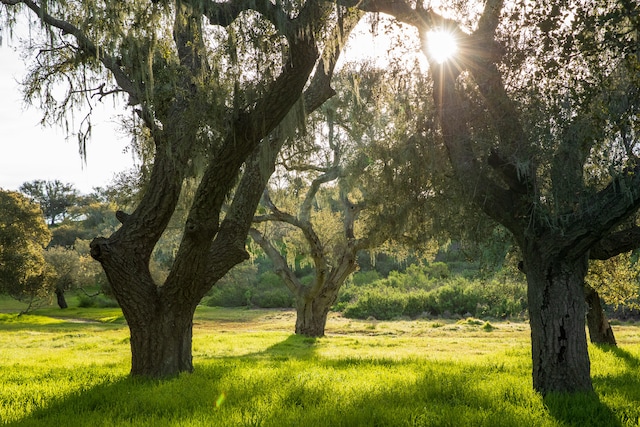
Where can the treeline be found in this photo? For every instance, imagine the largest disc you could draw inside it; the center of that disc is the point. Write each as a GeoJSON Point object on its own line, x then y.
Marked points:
{"type": "Point", "coordinates": [462, 283]}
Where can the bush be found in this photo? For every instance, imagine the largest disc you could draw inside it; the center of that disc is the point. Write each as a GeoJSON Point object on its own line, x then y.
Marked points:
{"type": "Point", "coordinates": [245, 287]}
{"type": "Point", "coordinates": [227, 296]}
{"type": "Point", "coordinates": [391, 298]}
{"type": "Point", "coordinates": [361, 278]}
{"type": "Point", "coordinates": [276, 298]}
{"type": "Point", "coordinates": [98, 301]}
{"type": "Point", "coordinates": [456, 297]}
{"type": "Point", "coordinates": [419, 302]}
{"type": "Point", "coordinates": [381, 303]}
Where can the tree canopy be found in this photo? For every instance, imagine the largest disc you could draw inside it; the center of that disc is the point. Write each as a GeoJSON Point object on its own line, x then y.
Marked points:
{"type": "Point", "coordinates": [54, 197]}
{"type": "Point", "coordinates": [23, 236]}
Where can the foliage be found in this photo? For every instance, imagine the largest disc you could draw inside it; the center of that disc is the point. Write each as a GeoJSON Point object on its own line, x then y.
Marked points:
{"type": "Point", "coordinates": [251, 371]}
{"type": "Point", "coordinates": [90, 273]}
{"type": "Point", "coordinates": [246, 286]}
{"type": "Point", "coordinates": [415, 294]}
{"type": "Point", "coordinates": [98, 301]}
{"type": "Point", "coordinates": [55, 198]}
{"type": "Point", "coordinates": [87, 220]}
{"type": "Point", "coordinates": [24, 274]}
{"type": "Point", "coordinates": [617, 280]}
{"type": "Point", "coordinates": [66, 265]}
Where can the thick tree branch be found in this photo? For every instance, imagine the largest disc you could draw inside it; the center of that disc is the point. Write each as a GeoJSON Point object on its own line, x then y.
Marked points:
{"type": "Point", "coordinates": [616, 243]}
{"type": "Point", "coordinates": [305, 208]}
{"type": "Point", "coordinates": [259, 166]}
{"type": "Point", "coordinates": [604, 211]}
{"type": "Point", "coordinates": [224, 13]}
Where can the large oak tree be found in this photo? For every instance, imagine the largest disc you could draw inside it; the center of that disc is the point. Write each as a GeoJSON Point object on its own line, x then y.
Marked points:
{"type": "Point", "coordinates": [208, 82]}
{"type": "Point", "coordinates": [539, 114]}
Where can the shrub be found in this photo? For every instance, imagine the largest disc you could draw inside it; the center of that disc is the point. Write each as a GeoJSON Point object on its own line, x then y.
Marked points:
{"type": "Point", "coordinates": [390, 298]}
{"type": "Point", "coordinates": [227, 296]}
{"type": "Point", "coordinates": [246, 288]}
{"type": "Point", "coordinates": [276, 298]}
{"type": "Point", "coordinates": [456, 297]}
{"type": "Point", "coordinates": [381, 303]}
{"type": "Point", "coordinates": [98, 301]}
{"type": "Point", "coordinates": [419, 302]}
{"type": "Point", "coordinates": [361, 278]}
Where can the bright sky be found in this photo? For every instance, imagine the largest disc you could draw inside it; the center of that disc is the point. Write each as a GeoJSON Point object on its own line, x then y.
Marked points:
{"type": "Point", "coordinates": [29, 151]}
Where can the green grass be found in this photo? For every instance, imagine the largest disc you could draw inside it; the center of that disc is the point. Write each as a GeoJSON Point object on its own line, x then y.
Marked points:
{"type": "Point", "coordinates": [71, 370]}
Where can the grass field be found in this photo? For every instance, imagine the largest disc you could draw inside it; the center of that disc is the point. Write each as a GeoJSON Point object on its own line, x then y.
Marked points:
{"type": "Point", "coordinates": [69, 368]}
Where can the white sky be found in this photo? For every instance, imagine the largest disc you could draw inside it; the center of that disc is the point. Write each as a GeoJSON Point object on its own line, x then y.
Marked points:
{"type": "Point", "coordinates": [29, 151]}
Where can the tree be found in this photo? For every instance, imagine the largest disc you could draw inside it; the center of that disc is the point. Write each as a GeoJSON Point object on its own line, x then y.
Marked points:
{"type": "Point", "coordinates": [359, 182]}
{"type": "Point", "coordinates": [540, 100]}
{"type": "Point", "coordinates": [54, 197]}
{"type": "Point", "coordinates": [65, 263]}
{"type": "Point", "coordinates": [209, 83]}
{"type": "Point", "coordinates": [23, 236]}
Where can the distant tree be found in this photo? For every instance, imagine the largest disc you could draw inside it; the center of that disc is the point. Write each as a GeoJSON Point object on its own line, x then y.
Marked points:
{"type": "Point", "coordinates": [24, 274]}
{"type": "Point", "coordinates": [358, 182]}
{"type": "Point", "coordinates": [85, 221]}
{"type": "Point", "coordinates": [65, 263]}
{"type": "Point", "coordinates": [55, 198]}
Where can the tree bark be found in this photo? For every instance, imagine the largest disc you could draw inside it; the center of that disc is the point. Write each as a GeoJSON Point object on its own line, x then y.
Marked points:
{"type": "Point", "coordinates": [161, 343]}
{"type": "Point", "coordinates": [312, 312]}
{"type": "Point", "coordinates": [62, 302]}
{"type": "Point", "coordinates": [556, 312]}
{"type": "Point", "coordinates": [600, 331]}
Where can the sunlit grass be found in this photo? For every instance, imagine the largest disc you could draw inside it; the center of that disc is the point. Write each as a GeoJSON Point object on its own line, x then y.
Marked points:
{"type": "Point", "coordinates": [251, 371]}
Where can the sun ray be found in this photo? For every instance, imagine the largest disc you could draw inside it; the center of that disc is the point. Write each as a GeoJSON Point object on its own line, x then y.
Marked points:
{"type": "Point", "coordinates": [441, 45]}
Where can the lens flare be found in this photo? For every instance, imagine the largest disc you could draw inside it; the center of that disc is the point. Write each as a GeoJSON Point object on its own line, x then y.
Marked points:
{"type": "Point", "coordinates": [220, 400]}
{"type": "Point", "coordinates": [441, 45]}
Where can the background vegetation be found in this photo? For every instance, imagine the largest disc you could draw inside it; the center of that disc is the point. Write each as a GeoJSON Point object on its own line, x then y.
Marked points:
{"type": "Point", "coordinates": [458, 280]}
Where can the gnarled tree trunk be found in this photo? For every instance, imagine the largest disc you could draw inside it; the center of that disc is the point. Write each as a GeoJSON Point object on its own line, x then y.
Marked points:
{"type": "Point", "coordinates": [311, 313]}
{"type": "Point", "coordinates": [161, 343]}
{"type": "Point", "coordinates": [556, 310]}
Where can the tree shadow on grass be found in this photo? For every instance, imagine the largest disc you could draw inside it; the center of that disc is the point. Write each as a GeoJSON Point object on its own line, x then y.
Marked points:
{"type": "Point", "coordinates": [132, 401]}
{"type": "Point", "coordinates": [580, 409]}
{"type": "Point", "coordinates": [295, 346]}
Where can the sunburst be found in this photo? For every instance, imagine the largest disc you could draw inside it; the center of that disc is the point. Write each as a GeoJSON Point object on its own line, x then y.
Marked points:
{"type": "Point", "coordinates": [441, 45]}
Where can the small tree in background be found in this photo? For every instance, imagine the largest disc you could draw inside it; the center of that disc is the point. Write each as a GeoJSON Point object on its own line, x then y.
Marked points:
{"type": "Point", "coordinates": [54, 197]}
{"type": "Point", "coordinates": [24, 274]}
{"type": "Point", "coordinates": [65, 263]}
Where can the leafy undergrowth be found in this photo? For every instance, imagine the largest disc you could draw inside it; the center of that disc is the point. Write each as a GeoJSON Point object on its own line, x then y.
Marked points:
{"type": "Point", "coordinates": [251, 371]}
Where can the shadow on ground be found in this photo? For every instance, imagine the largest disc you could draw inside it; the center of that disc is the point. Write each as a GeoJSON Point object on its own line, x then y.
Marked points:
{"type": "Point", "coordinates": [580, 409]}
